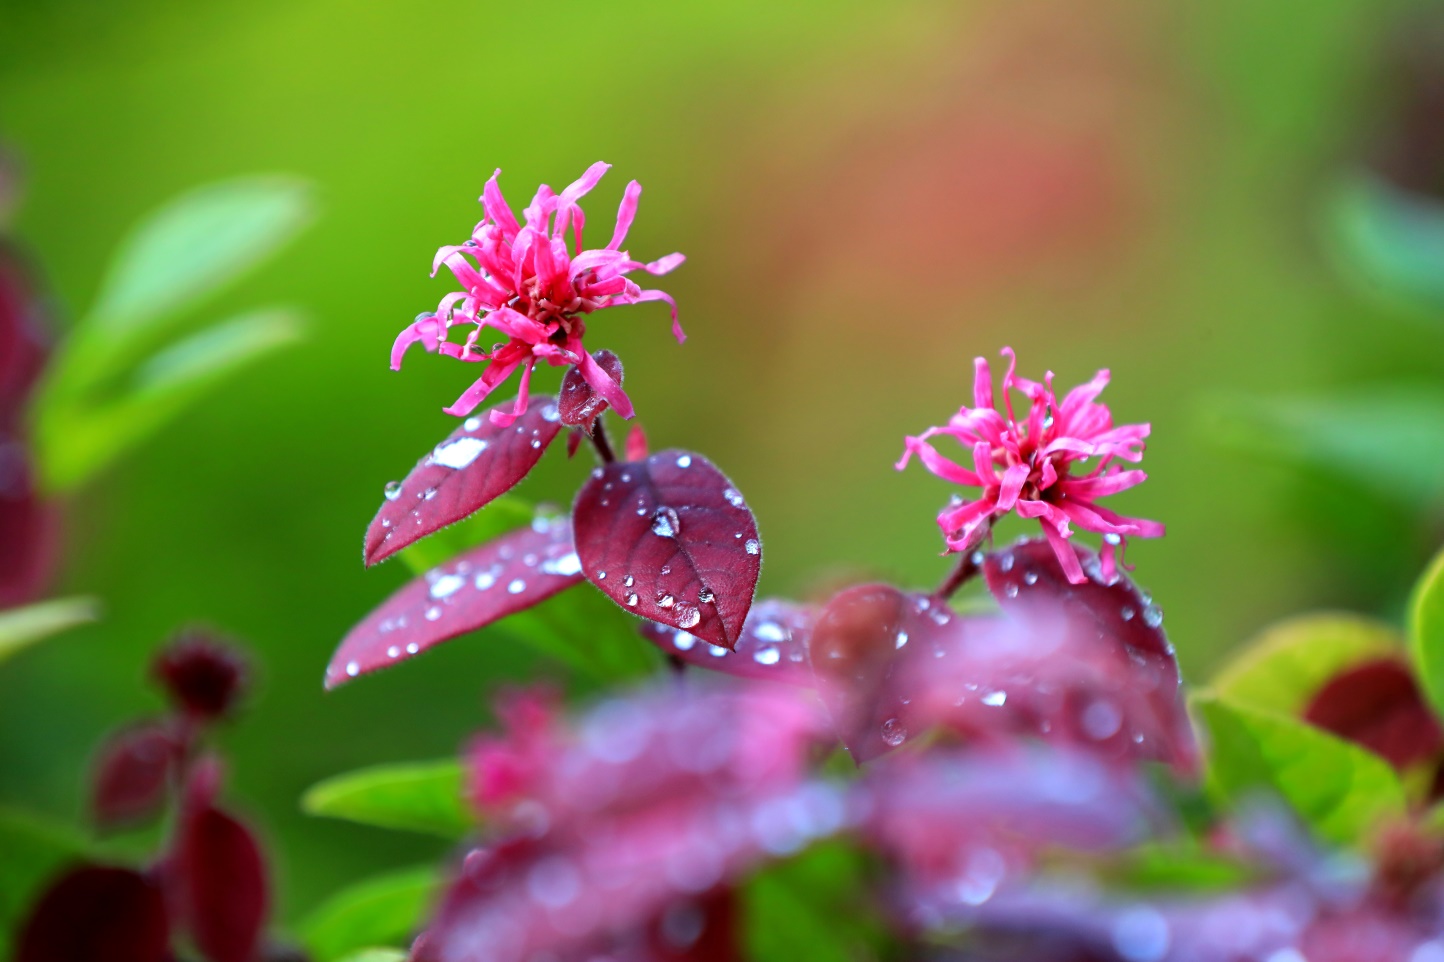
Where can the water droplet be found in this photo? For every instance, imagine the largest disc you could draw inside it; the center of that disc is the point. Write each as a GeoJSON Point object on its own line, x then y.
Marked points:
{"type": "Point", "coordinates": [666, 523]}
{"type": "Point", "coordinates": [567, 565]}
{"type": "Point", "coordinates": [551, 414]}
{"type": "Point", "coordinates": [770, 631]}
{"type": "Point", "coordinates": [597, 472]}
{"type": "Point", "coordinates": [767, 656]}
{"type": "Point", "coordinates": [471, 424]}
{"type": "Point", "coordinates": [393, 652]}
{"type": "Point", "coordinates": [1102, 719]}
{"type": "Point", "coordinates": [1152, 615]}
{"type": "Point", "coordinates": [536, 442]}
{"type": "Point", "coordinates": [530, 559]}
{"type": "Point", "coordinates": [631, 599]}
{"type": "Point", "coordinates": [516, 587]}
{"type": "Point", "coordinates": [995, 699]}
{"type": "Point", "coordinates": [893, 732]}
{"type": "Point", "coordinates": [1005, 563]}
{"type": "Point", "coordinates": [446, 585]}
{"type": "Point", "coordinates": [628, 581]}
{"type": "Point", "coordinates": [666, 569]}
{"type": "Point", "coordinates": [392, 490]}
{"type": "Point", "coordinates": [753, 546]}
{"type": "Point", "coordinates": [902, 639]}
{"type": "Point", "coordinates": [1141, 934]}
{"type": "Point", "coordinates": [427, 495]}
{"type": "Point", "coordinates": [976, 558]}
{"type": "Point", "coordinates": [1030, 578]}
{"type": "Point", "coordinates": [1011, 590]}
{"type": "Point", "coordinates": [733, 498]}
{"type": "Point", "coordinates": [353, 669]}
{"type": "Point", "coordinates": [684, 641]}
{"type": "Point", "coordinates": [601, 576]}
{"type": "Point", "coordinates": [685, 461]}
{"type": "Point", "coordinates": [484, 581]}
{"type": "Point", "coordinates": [665, 601]}
{"type": "Point", "coordinates": [716, 651]}
{"type": "Point", "coordinates": [459, 452]}
{"type": "Point", "coordinates": [688, 616]}
{"type": "Point", "coordinates": [386, 523]}
{"type": "Point", "coordinates": [705, 595]}
{"type": "Point", "coordinates": [412, 648]}
{"type": "Point", "coordinates": [626, 478]}
{"type": "Point", "coordinates": [433, 613]}
{"type": "Point", "coordinates": [1126, 614]}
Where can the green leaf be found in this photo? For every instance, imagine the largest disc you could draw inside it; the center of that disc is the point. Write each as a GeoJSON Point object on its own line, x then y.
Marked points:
{"type": "Point", "coordinates": [35, 850]}
{"type": "Point", "coordinates": [385, 910]}
{"type": "Point", "coordinates": [415, 796]}
{"type": "Point", "coordinates": [377, 955]}
{"type": "Point", "coordinates": [505, 514]}
{"type": "Point", "coordinates": [76, 439]}
{"type": "Point", "coordinates": [1388, 241]}
{"type": "Point", "coordinates": [814, 906]}
{"type": "Point", "coordinates": [1186, 868]}
{"type": "Point", "coordinates": [1341, 790]}
{"type": "Point", "coordinates": [23, 627]}
{"type": "Point", "coordinates": [1283, 668]}
{"type": "Point", "coordinates": [1426, 632]}
{"type": "Point", "coordinates": [196, 243]}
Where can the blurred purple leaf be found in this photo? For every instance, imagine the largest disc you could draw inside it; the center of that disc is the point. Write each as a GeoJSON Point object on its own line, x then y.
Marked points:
{"type": "Point", "coordinates": [30, 545]}
{"type": "Point", "coordinates": [222, 890]}
{"type": "Point", "coordinates": [1378, 705]}
{"type": "Point", "coordinates": [23, 342]}
{"type": "Point", "coordinates": [97, 913]}
{"type": "Point", "coordinates": [204, 677]}
{"type": "Point", "coordinates": [471, 591]}
{"type": "Point", "coordinates": [475, 464]}
{"type": "Point", "coordinates": [133, 774]}
{"type": "Point", "coordinates": [671, 539]}
{"type": "Point", "coordinates": [772, 646]}
{"type": "Point", "coordinates": [579, 403]}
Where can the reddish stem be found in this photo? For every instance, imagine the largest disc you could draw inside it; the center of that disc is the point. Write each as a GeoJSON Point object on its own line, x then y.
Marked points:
{"type": "Point", "coordinates": [600, 442]}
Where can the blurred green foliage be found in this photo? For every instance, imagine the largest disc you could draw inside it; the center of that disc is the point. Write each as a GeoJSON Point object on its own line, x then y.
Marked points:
{"type": "Point", "coordinates": [869, 196]}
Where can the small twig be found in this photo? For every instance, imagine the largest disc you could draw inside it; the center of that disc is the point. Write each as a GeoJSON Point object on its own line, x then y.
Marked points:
{"type": "Point", "coordinates": [960, 576]}
{"type": "Point", "coordinates": [600, 442]}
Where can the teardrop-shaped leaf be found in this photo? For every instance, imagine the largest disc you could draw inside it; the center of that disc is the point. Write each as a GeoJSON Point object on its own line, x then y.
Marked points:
{"type": "Point", "coordinates": [579, 403]}
{"type": "Point", "coordinates": [507, 513]}
{"type": "Point", "coordinates": [483, 585]}
{"type": "Point", "coordinates": [132, 775]}
{"type": "Point", "coordinates": [475, 464]}
{"type": "Point", "coordinates": [671, 539]}
{"type": "Point", "coordinates": [222, 888]}
{"type": "Point", "coordinates": [385, 910]}
{"type": "Point", "coordinates": [773, 644]}
{"type": "Point", "coordinates": [415, 797]}
{"type": "Point", "coordinates": [22, 627]}
{"type": "Point", "coordinates": [1289, 662]}
{"type": "Point", "coordinates": [1426, 632]}
{"type": "Point", "coordinates": [97, 912]}
{"type": "Point", "coordinates": [1341, 790]}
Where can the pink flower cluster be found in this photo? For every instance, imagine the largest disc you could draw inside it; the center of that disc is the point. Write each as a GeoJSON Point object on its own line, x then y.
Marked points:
{"type": "Point", "coordinates": [525, 283]}
{"type": "Point", "coordinates": [1025, 465]}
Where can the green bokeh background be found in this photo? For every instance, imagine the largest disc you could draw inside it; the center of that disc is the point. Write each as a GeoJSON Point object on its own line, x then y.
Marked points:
{"type": "Point", "coordinates": [869, 195]}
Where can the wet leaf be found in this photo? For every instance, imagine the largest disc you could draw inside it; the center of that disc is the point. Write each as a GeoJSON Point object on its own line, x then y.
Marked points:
{"type": "Point", "coordinates": [133, 774]}
{"type": "Point", "coordinates": [385, 910]}
{"type": "Point", "coordinates": [1342, 791]}
{"type": "Point", "coordinates": [580, 405]}
{"type": "Point", "coordinates": [505, 514]}
{"type": "Point", "coordinates": [223, 893]}
{"type": "Point", "coordinates": [22, 627]}
{"type": "Point", "coordinates": [1283, 668]}
{"type": "Point", "coordinates": [1426, 632]}
{"type": "Point", "coordinates": [483, 585]}
{"type": "Point", "coordinates": [97, 912]}
{"type": "Point", "coordinates": [586, 632]}
{"type": "Point", "coordinates": [772, 646]}
{"type": "Point", "coordinates": [471, 467]}
{"type": "Point", "coordinates": [413, 796]}
{"type": "Point", "coordinates": [671, 539]}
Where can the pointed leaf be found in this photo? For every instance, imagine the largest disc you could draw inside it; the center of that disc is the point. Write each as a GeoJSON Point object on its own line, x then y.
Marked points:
{"type": "Point", "coordinates": [485, 584]}
{"type": "Point", "coordinates": [97, 912]}
{"type": "Point", "coordinates": [1341, 790]}
{"type": "Point", "coordinates": [579, 403]}
{"type": "Point", "coordinates": [222, 888]}
{"type": "Point", "coordinates": [773, 644]}
{"type": "Point", "coordinates": [671, 539]}
{"type": "Point", "coordinates": [414, 797]}
{"type": "Point", "coordinates": [385, 910]}
{"type": "Point", "coordinates": [475, 464]}
{"type": "Point", "coordinates": [507, 513]}
{"type": "Point", "coordinates": [1426, 632]}
{"type": "Point", "coordinates": [1285, 666]}
{"type": "Point", "coordinates": [22, 627]}
{"type": "Point", "coordinates": [133, 774]}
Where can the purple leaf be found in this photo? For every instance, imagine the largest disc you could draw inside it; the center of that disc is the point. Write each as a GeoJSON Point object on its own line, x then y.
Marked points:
{"type": "Point", "coordinates": [133, 774]}
{"type": "Point", "coordinates": [222, 889]}
{"type": "Point", "coordinates": [23, 342]}
{"type": "Point", "coordinates": [860, 645]}
{"type": "Point", "coordinates": [477, 463]}
{"type": "Point", "coordinates": [579, 403]}
{"type": "Point", "coordinates": [30, 546]}
{"type": "Point", "coordinates": [772, 647]}
{"type": "Point", "coordinates": [1377, 704]}
{"type": "Point", "coordinates": [202, 676]}
{"type": "Point", "coordinates": [473, 590]}
{"type": "Point", "coordinates": [670, 539]}
{"type": "Point", "coordinates": [97, 912]}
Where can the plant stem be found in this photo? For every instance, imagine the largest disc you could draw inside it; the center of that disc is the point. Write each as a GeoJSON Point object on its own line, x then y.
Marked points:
{"type": "Point", "coordinates": [960, 576]}
{"type": "Point", "coordinates": [600, 442]}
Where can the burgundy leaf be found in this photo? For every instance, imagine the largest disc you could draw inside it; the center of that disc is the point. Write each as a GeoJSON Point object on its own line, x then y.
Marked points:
{"type": "Point", "coordinates": [477, 463]}
{"type": "Point", "coordinates": [221, 885]}
{"type": "Point", "coordinates": [23, 341]}
{"type": "Point", "coordinates": [1125, 693]}
{"type": "Point", "coordinates": [203, 677]}
{"type": "Point", "coordinates": [97, 913]}
{"type": "Point", "coordinates": [702, 929]}
{"type": "Point", "coordinates": [773, 644]}
{"type": "Point", "coordinates": [1377, 705]}
{"type": "Point", "coordinates": [860, 643]}
{"type": "Point", "coordinates": [30, 543]}
{"type": "Point", "coordinates": [579, 403]}
{"type": "Point", "coordinates": [670, 539]}
{"type": "Point", "coordinates": [473, 590]}
{"type": "Point", "coordinates": [574, 441]}
{"type": "Point", "coordinates": [132, 776]}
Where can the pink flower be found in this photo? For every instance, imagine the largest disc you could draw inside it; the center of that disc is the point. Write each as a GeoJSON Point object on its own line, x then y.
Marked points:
{"type": "Point", "coordinates": [1025, 464]}
{"type": "Point", "coordinates": [520, 278]}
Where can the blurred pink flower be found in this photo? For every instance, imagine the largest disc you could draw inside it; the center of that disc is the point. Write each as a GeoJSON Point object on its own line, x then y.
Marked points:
{"type": "Point", "coordinates": [1025, 464]}
{"type": "Point", "coordinates": [527, 285]}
